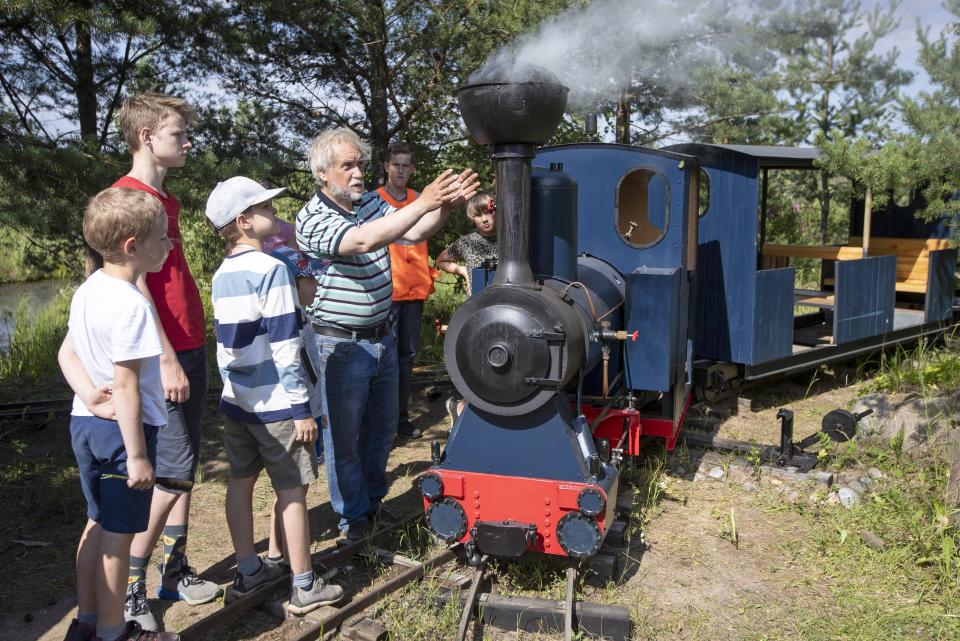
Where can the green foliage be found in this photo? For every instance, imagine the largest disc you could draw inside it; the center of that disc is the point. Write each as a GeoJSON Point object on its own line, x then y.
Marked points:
{"type": "Point", "coordinates": [834, 78]}
{"type": "Point", "coordinates": [921, 369]}
{"type": "Point", "coordinates": [448, 295]}
{"type": "Point", "coordinates": [386, 70]}
{"type": "Point", "coordinates": [31, 362]}
{"type": "Point", "coordinates": [909, 513]}
{"type": "Point", "coordinates": [881, 170]}
{"type": "Point", "coordinates": [73, 59]}
{"type": "Point", "coordinates": [933, 120]}
{"type": "Point", "coordinates": [23, 260]}
{"type": "Point", "coordinates": [43, 191]}
{"type": "Point", "coordinates": [740, 106]}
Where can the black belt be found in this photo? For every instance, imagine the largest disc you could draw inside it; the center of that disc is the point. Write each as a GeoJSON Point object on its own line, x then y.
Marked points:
{"type": "Point", "coordinates": [365, 333]}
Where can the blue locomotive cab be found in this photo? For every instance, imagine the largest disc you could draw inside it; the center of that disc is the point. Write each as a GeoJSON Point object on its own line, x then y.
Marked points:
{"type": "Point", "coordinates": [636, 213]}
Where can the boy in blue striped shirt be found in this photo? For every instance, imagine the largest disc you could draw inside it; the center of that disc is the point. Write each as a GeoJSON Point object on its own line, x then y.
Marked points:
{"type": "Point", "coordinates": [266, 392]}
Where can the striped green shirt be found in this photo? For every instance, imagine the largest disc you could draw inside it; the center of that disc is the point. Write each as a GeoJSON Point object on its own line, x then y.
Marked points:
{"type": "Point", "coordinates": [356, 291]}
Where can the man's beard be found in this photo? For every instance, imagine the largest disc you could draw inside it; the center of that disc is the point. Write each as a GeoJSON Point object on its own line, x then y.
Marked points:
{"type": "Point", "coordinates": [346, 194]}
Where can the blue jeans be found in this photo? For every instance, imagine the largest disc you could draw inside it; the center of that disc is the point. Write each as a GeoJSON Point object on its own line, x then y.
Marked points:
{"type": "Point", "coordinates": [359, 395]}
{"type": "Point", "coordinates": [405, 317]}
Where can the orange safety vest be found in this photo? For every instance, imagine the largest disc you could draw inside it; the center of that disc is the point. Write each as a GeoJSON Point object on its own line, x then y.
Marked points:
{"type": "Point", "coordinates": [409, 262]}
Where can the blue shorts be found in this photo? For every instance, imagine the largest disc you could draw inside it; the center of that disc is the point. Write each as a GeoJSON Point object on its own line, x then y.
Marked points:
{"type": "Point", "coordinates": [98, 446]}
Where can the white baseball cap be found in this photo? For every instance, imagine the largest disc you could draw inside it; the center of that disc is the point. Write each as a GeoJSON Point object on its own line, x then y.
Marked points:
{"type": "Point", "coordinates": [232, 197]}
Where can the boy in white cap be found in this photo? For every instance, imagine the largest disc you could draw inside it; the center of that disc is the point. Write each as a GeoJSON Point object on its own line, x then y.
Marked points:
{"type": "Point", "coordinates": [268, 419]}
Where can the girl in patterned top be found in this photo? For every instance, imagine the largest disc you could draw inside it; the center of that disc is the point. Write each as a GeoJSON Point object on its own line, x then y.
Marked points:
{"type": "Point", "coordinates": [473, 250]}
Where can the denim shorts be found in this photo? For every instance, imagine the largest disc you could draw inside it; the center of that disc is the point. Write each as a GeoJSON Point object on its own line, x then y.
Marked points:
{"type": "Point", "coordinates": [98, 446]}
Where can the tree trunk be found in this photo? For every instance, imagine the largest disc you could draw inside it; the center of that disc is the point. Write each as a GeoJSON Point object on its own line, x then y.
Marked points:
{"type": "Point", "coordinates": [825, 126]}
{"type": "Point", "coordinates": [623, 118]}
{"type": "Point", "coordinates": [85, 88]}
{"type": "Point", "coordinates": [379, 127]}
{"type": "Point", "coordinates": [379, 116]}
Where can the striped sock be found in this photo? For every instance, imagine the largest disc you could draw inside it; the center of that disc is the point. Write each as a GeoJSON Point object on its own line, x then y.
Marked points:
{"type": "Point", "coordinates": [138, 570]}
{"type": "Point", "coordinates": [174, 546]}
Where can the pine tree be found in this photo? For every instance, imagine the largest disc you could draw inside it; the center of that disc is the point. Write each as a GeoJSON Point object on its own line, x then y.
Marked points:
{"type": "Point", "coordinates": [387, 70]}
{"type": "Point", "coordinates": [837, 85]}
{"type": "Point", "coordinates": [932, 144]}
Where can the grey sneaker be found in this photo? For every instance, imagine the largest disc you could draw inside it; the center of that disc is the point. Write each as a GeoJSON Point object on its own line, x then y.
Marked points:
{"type": "Point", "coordinates": [136, 609]}
{"type": "Point", "coordinates": [281, 563]}
{"type": "Point", "coordinates": [303, 601]}
{"type": "Point", "coordinates": [244, 585]}
{"type": "Point", "coordinates": [182, 584]}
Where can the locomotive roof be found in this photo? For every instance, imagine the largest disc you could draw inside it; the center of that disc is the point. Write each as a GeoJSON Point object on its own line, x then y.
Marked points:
{"type": "Point", "coordinates": [770, 156]}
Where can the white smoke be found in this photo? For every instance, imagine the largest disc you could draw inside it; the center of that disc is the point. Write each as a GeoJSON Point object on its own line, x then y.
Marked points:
{"type": "Point", "coordinates": [600, 49]}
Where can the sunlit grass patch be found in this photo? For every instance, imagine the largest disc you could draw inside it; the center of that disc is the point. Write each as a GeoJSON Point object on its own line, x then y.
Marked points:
{"type": "Point", "coordinates": [921, 369]}
{"type": "Point", "coordinates": [910, 588]}
{"type": "Point", "coordinates": [449, 293]}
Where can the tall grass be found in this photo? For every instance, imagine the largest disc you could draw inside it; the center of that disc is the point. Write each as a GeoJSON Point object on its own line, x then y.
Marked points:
{"type": "Point", "coordinates": [922, 368]}
{"type": "Point", "coordinates": [31, 362]}
{"type": "Point", "coordinates": [449, 293]}
{"type": "Point", "coordinates": [908, 589]}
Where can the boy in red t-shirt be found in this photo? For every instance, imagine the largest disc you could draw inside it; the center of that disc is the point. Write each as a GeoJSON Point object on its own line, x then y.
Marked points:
{"type": "Point", "coordinates": [154, 127]}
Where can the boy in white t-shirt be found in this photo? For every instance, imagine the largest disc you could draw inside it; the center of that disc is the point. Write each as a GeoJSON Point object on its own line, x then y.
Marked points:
{"type": "Point", "coordinates": [110, 358]}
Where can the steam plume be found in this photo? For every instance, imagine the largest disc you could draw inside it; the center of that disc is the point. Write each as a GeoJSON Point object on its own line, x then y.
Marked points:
{"type": "Point", "coordinates": [599, 49]}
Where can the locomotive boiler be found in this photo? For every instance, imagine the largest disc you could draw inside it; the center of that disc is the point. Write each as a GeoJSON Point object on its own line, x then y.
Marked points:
{"type": "Point", "coordinates": [539, 354]}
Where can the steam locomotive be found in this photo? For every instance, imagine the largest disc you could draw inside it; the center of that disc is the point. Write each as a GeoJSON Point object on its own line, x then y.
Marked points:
{"type": "Point", "coordinates": [616, 293]}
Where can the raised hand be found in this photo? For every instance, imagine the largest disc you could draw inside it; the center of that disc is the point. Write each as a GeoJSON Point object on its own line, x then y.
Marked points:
{"type": "Point", "coordinates": [440, 190]}
{"type": "Point", "coordinates": [469, 185]}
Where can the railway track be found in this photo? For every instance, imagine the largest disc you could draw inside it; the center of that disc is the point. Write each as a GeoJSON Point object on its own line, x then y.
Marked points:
{"type": "Point", "coordinates": [479, 603]}
{"type": "Point", "coordinates": [337, 557]}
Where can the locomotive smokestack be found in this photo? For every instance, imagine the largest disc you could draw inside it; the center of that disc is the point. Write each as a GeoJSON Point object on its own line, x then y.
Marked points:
{"type": "Point", "coordinates": [513, 117]}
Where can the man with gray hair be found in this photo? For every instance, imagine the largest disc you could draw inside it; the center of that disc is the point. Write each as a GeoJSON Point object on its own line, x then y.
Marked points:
{"type": "Point", "coordinates": [357, 352]}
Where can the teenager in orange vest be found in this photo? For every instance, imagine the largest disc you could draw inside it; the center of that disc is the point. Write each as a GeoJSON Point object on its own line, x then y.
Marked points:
{"type": "Point", "coordinates": [412, 278]}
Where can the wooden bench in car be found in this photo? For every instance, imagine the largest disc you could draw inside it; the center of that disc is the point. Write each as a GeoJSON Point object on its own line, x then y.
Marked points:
{"type": "Point", "coordinates": [812, 298]}
{"type": "Point", "coordinates": [912, 256]}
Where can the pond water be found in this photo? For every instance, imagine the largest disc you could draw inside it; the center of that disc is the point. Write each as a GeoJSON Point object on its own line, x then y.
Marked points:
{"type": "Point", "coordinates": [37, 294]}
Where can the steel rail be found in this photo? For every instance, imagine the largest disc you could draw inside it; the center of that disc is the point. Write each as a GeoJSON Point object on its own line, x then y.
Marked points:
{"type": "Point", "coordinates": [330, 559]}
{"type": "Point", "coordinates": [337, 617]}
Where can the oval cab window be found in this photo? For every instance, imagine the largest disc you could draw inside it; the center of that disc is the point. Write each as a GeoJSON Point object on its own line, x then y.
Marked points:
{"type": "Point", "coordinates": [703, 194]}
{"type": "Point", "coordinates": [643, 207]}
